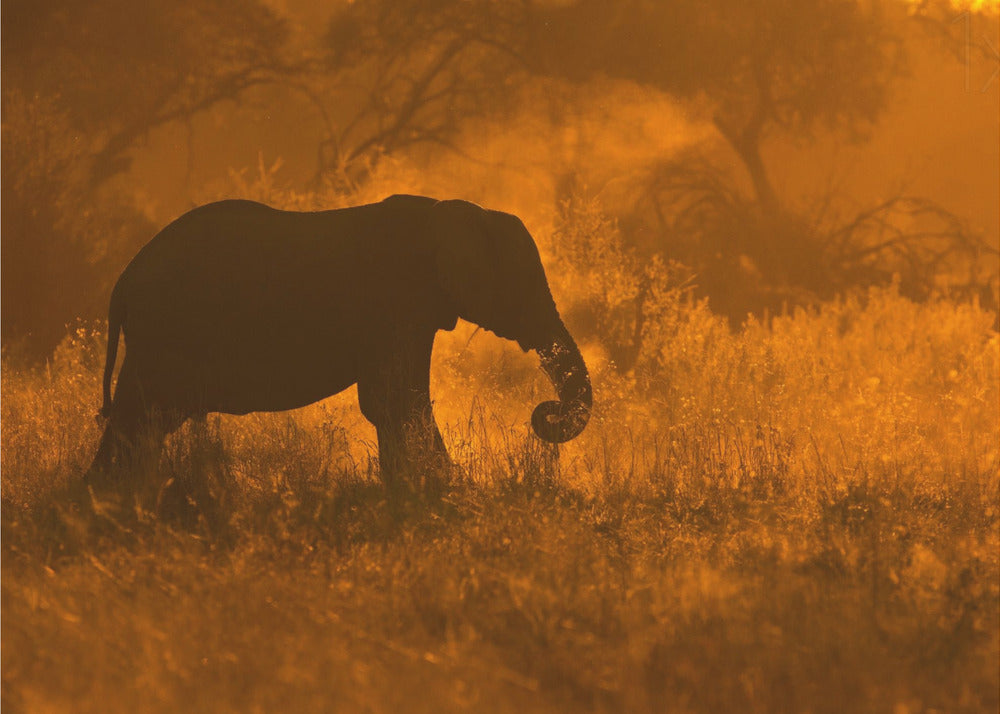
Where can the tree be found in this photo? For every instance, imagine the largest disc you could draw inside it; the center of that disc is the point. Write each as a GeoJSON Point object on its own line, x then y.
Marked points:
{"type": "Point", "coordinates": [83, 83]}
{"type": "Point", "coordinates": [758, 69]}
{"type": "Point", "coordinates": [119, 69]}
{"type": "Point", "coordinates": [755, 66]}
{"type": "Point", "coordinates": [406, 73]}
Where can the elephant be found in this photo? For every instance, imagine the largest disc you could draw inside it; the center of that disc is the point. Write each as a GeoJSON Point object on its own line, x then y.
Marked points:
{"type": "Point", "coordinates": [237, 307]}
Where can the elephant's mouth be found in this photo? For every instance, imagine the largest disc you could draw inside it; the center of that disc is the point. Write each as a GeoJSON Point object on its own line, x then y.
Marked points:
{"type": "Point", "coordinates": [562, 420]}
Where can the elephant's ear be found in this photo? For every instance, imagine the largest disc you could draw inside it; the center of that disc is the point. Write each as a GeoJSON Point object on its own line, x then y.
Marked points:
{"type": "Point", "coordinates": [465, 259]}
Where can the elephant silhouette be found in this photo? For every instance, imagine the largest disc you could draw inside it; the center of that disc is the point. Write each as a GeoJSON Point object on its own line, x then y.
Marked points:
{"type": "Point", "coordinates": [237, 307]}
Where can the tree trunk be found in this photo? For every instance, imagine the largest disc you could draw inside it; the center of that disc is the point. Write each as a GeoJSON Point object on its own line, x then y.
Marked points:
{"type": "Point", "coordinates": [746, 144]}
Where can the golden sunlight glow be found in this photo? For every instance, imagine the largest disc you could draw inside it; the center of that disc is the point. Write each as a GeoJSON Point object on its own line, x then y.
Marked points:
{"type": "Point", "coordinates": [961, 5]}
{"type": "Point", "coordinates": [504, 356]}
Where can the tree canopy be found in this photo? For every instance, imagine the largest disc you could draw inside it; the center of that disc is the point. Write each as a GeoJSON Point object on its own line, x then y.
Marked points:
{"type": "Point", "coordinates": [754, 66]}
{"type": "Point", "coordinates": [84, 84]}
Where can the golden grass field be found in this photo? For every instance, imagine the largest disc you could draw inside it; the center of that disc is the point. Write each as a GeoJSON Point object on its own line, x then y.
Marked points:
{"type": "Point", "coordinates": [799, 516]}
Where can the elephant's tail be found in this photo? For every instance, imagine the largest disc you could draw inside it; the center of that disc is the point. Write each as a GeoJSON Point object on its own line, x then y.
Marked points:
{"type": "Point", "coordinates": [116, 316]}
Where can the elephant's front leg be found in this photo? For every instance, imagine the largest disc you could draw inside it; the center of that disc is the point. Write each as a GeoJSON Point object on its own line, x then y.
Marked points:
{"type": "Point", "coordinates": [394, 395]}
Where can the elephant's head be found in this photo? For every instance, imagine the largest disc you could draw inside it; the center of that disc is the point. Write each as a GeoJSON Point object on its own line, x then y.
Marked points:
{"type": "Point", "coordinates": [492, 275]}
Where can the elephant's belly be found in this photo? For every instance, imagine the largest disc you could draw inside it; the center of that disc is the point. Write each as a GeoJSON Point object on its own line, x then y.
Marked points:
{"type": "Point", "coordinates": [273, 394]}
{"type": "Point", "coordinates": [200, 381]}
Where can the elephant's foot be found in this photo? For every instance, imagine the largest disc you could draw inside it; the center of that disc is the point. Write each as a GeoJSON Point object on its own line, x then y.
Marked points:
{"type": "Point", "coordinates": [416, 472]}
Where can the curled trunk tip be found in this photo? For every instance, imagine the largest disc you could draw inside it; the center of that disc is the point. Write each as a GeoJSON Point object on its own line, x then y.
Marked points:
{"type": "Point", "coordinates": [560, 421]}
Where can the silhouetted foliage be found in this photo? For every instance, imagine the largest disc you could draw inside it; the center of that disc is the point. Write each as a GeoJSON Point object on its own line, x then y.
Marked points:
{"type": "Point", "coordinates": [753, 67]}
{"type": "Point", "coordinates": [118, 69]}
{"type": "Point", "coordinates": [620, 295]}
{"type": "Point", "coordinates": [762, 69]}
{"type": "Point", "coordinates": [412, 73]}
{"type": "Point", "coordinates": [83, 83]}
{"type": "Point", "coordinates": [58, 238]}
{"type": "Point", "coordinates": [749, 258]}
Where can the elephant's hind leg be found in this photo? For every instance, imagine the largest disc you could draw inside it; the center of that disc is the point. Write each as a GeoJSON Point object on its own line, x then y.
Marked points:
{"type": "Point", "coordinates": [135, 430]}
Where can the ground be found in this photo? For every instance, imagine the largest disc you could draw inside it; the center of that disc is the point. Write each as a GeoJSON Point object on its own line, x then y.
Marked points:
{"type": "Point", "coordinates": [800, 517]}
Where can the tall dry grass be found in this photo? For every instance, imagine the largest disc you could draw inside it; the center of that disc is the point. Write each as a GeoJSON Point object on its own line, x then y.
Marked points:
{"type": "Point", "coordinates": [798, 516]}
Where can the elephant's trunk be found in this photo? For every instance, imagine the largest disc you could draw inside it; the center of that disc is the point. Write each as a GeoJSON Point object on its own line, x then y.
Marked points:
{"type": "Point", "coordinates": [559, 421]}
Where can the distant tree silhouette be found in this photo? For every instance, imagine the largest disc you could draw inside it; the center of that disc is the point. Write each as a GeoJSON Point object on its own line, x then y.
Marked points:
{"type": "Point", "coordinates": [119, 69]}
{"type": "Point", "coordinates": [759, 69]}
{"type": "Point", "coordinates": [402, 73]}
{"type": "Point", "coordinates": [756, 66]}
{"type": "Point", "coordinates": [83, 84]}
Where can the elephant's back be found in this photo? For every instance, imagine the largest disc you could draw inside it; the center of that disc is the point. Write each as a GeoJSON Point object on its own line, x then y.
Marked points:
{"type": "Point", "coordinates": [239, 261]}
{"type": "Point", "coordinates": [245, 242]}
{"type": "Point", "coordinates": [233, 238]}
